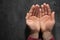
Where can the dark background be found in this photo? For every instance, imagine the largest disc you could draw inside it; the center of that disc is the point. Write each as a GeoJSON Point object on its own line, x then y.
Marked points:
{"type": "Point", "coordinates": [12, 17]}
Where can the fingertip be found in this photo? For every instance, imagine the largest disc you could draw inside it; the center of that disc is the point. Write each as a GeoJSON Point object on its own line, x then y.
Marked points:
{"type": "Point", "coordinates": [48, 5]}
{"type": "Point", "coordinates": [53, 13]}
{"type": "Point", "coordinates": [31, 9]}
{"type": "Point", "coordinates": [41, 5]}
{"type": "Point", "coordinates": [44, 3]}
{"type": "Point", "coordinates": [33, 5]}
{"type": "Point", "coordinates": [37, 5]}
{"type": "Point", "coordinates": [42, 9]}
{"type": "Point", "coordinates": [26, 16]}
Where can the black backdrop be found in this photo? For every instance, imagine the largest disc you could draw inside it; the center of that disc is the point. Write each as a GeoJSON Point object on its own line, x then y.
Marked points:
{"type": "Point", "coordinates": [12, 18]}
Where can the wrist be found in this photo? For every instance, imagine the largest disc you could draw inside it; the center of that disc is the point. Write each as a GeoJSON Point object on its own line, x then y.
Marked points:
{"type": "Point", "coordinates": [35, 35]}
{"type": "Point", "coordinates": [47, 35]}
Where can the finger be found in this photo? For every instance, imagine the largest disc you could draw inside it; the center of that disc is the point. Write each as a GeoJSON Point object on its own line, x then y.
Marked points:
{"type": "Point", "coordinates": [37, 10]}
{"type": "Point", "coordinates": [49, 9]}
{"type": "Point", "coordinates": [45, 8]}
{"type": "Point", "coordinates": [53, 16]}
{"type": "Point", "coordinates": [40, 13]}
{"type": "Point", "coordinates": [42, 9]}
{"type": "Point", "coordinates": [37, 5]}
{"type": "Point", "coordinates": [28, 15]}
{"type": "Point", "coordinates": [32, 9]}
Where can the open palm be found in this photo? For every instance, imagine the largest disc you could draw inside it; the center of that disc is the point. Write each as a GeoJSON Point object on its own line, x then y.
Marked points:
{"type": "Point", "coordinates": [47, 21]}
{"type": "Point", "coordinates": [31, 20]}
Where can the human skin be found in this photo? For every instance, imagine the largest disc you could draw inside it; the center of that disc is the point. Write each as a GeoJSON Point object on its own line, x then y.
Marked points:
{"type": "Point", "coordinates": [47, 23]}
{"type": "Point", "coordinates": [40, 17]}
{"type": "Point", "coordinates": [32, 21]}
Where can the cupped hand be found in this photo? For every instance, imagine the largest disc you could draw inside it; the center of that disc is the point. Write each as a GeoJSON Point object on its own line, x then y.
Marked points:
{"type": "Point", "coordinates": [32, 19]}
{"type": "Point", "coordinates": [47, 19]}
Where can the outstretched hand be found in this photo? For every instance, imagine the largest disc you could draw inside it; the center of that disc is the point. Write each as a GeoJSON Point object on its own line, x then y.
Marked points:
{"type": "Point", "coordinates": [32, 19]}
{"type": "Point", "coordinates": [47, 19]}
{"type": "Point", "coordinates": [40, 17]}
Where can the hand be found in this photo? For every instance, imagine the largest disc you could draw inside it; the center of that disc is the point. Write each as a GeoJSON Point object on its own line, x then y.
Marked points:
{"type": "Point", "coordinates": [47, 19]}
{"type": "Point", "coordinates": [32, 19]}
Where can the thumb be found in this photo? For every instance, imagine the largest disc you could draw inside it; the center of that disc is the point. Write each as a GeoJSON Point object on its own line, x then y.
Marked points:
{"type": "Point", "coordinates": [53, 16]}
